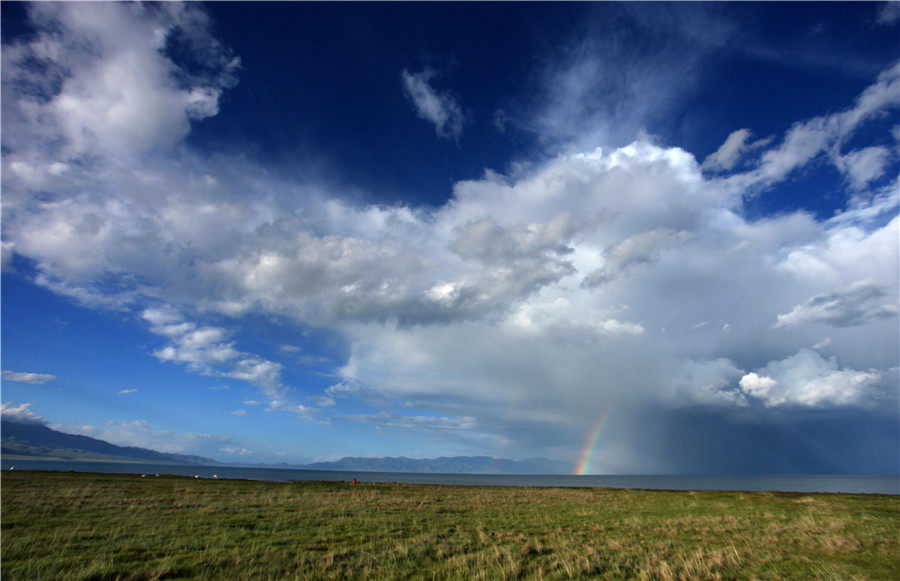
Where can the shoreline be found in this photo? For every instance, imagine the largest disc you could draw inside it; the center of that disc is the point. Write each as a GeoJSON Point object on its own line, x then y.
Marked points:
{"type": "Point", "coordinates": [207, 472]}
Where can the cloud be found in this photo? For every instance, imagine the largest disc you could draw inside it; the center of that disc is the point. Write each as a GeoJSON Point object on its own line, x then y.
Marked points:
{"type": "Point", "coordinates": [735, 148]}
{"type": "Point", "coordinates": [435, 427]}
{"type": "Point", "coordinates": [207, 350]}
{"type": "Point", "coordinates": [342, 389]}
{"type": "Point", "coordinates": [889, 13]}
{"type": "Point", "coordinates": [425, 422]}
{"type": "Point", "coordinates": [729, 152]}
{"type": "Point", "coordinates": [522, 310]}
{"type": "Point", "coordinates": [640, 249]}
{"type": "Point", "coordinates": [807, 379]}
{"type": "Point", "coordinates": [709, 383]}
{"type": "Point", "coordinates": [234, 450]}
{"type": "Point", "coordinates": [499, 120]}
{"type": "Point", "coordinates": [32, 378]}
{"type": "Point", "coordinates": [865, 165]}
{"type": "Point", "coordinates": [6, 257]}
{"type": "Point", "coordinates": [126, 391]}
{"type": "Point", "coordinates": [20, 413]}
{"type": "Point", "coordinates": [809, 139]}
{"type": "Point", "coordinates": [863, 301]}
{"type": "Point", "coordinates": [238, 413]}
{"type": "Point", "coordinates": [105, 79]}
{"type": "Point", "coordinates": [310, 360]}
{"type": "Point", "coordinates": [301, 411]}
{"type": "Point", "coordinates": [141, 434]}
{"type": "Point", "coordinates": [606, 85]}
{"type": "Point", "coordinates": [439, 108]}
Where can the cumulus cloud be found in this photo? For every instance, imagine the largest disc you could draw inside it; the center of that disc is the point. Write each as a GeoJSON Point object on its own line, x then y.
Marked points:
{"type": "Point", "coordinates": [19, 413]}
{"type": "Point", "coordinates": [32, 378]}
{"type": "Point", "coordinates": [863, 301]}
{"type": "Point", "coordinates": [439, 108]}
{"type": "Point", "coordinates": [808, 379]}
{"type": "Point", "coordinates": [107, 82]}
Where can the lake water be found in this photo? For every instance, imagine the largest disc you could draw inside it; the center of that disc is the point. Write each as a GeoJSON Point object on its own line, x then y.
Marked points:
{"type": "Point", "coordinates": [799, 483]}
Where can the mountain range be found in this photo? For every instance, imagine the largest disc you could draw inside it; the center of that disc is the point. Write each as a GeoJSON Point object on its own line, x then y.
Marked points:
{"type": "Point", "coordinates": [36, 440]}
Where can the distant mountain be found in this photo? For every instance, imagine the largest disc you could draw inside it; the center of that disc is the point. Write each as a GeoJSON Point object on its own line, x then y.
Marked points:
{"type": "Point", "coordinates": [445, 465]}
{"type": "Point", "coordinates": [35, 439]}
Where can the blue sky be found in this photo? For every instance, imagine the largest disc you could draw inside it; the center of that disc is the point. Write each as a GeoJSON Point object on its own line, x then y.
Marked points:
{"type": "Point", "coordinates": [640, 238]}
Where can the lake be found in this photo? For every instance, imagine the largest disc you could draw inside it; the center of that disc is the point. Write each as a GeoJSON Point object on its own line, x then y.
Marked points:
{"type": "Point", "coordinates": [856, 484]}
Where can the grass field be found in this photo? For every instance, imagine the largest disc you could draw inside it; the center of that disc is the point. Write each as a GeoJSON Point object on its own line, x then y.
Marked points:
{"type": "Point", "coordinates": [108, 526]}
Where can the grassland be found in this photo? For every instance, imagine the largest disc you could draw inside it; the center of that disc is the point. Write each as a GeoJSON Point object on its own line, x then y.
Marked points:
{"type": "Point", "coordinates": [107, 526]}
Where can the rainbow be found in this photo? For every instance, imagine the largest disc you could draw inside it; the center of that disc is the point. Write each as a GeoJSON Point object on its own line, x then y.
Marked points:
{"type": "Point", "coordinates": [591, 444]}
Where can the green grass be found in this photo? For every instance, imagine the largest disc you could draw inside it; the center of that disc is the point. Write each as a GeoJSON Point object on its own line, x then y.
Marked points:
{"type": "Point", "coordinates": [107, 526]}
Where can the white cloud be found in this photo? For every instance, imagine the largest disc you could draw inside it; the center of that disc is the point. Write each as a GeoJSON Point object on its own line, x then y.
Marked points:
{"type": "Point", "coordinates": [343, 389]}
{"type": "Point", "coordinates": [301, 411]}
{"type": "Point", "coordinates": [6, 256]}
{"type": "Point", "coordinates": [807, 379]}
{"type": "Point", "coordinates": [32, 378]}
{"type": "Point", "coordinates": [19, 413]}
{"type": "Point", "coordinates": [889, 13]}
{"type": "Point", "coordinates": [207, 350]}
{"type": "Point", "coordinates": [123, 94]}
{"type": "Point", "coordinates": [126, 391]}
{"type": "Point", "coordinates": [826, 135]}
{"type": "Point", "coordinates": [141, 434]}
{"type": "Point", "coordinates": [757, 386]}
{"type": "Point", "coordinates": [863, 301]}
{"type": "Point", "coordinates": [729, 152]}
{"type": "Point", "coordinates": [602, 90]}
{"type": "Point", "coordinates": [864, 165]}
{"type": "Point", "coordinates": [234, 450]}
{"type": "Point", "coordinates": [238, 413]}
{"type": "Point", "coordinates": [437, 107]}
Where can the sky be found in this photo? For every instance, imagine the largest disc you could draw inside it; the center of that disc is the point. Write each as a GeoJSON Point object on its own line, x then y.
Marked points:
{"type": "Point", "coordinates": [637, 238]}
